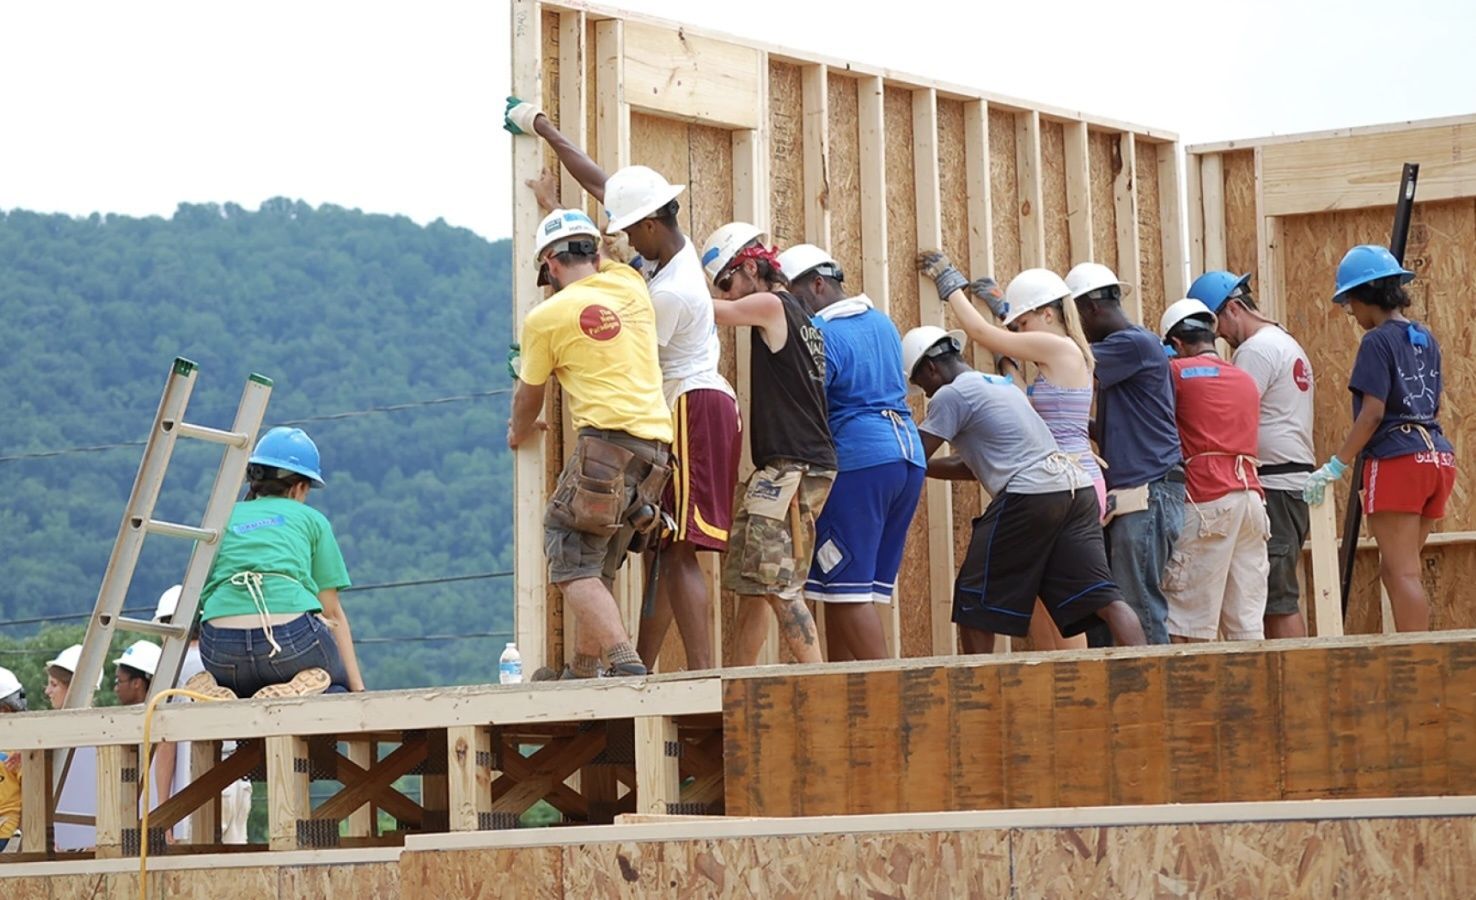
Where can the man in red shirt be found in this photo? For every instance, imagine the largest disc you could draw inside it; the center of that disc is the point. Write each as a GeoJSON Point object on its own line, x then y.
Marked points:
{"type": "Point", "coordinates": [1215, 580]}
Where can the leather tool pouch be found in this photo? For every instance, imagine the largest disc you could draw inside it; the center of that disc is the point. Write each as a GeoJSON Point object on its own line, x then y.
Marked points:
{"type": "Point", "coordinates": [644, 516]}
{"type": "Point", "coordinates": [590, 496]}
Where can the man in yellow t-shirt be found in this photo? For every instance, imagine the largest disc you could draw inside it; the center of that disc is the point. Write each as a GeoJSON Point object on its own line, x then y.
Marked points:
{"type": "Point", "coordinates": [12, 699]}
{"type": "Point", "coordinates": [597, 335]}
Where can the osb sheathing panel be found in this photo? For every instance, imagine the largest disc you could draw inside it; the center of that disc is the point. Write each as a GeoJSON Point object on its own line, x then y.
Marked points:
{"type": "Point", "coordinates": [533, 872]}
{"type": "Point", "coordinates": [1440, 251]}
{"type": "Point", "coordinates": [1004, 196]}
{"type": "Point", "coordinates": [1104, 162]}
{"type": "Point", "coordinates": [365, 880]}
{"type": "Point", "coordinates": [26, 888]}
{"type": "Point", "coordinates": [1321, 722]}
{"type": "Point", "coordinates": [786, 154]}
{"type": "Point", "coordinates": [844, 169]}
{"type": "Point", "coordinates": [1150, 236]}
{"type": "Point", "coordinates": [1240, 211]}
{"type": "Point", "coordinates": [954, 196]}
{"type": "Point", "coordinates": [1053, 196]}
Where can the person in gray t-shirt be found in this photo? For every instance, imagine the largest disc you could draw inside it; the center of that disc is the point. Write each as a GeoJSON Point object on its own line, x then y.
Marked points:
{"type": "Point", "coordinates": [1040, 536]}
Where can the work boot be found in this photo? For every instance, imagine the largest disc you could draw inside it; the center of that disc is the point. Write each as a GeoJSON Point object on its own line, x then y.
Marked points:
{"type": "Point", "coordinates": [545, 673]}
{"type": "Point", "coordinates": [303, 684]}
{"type": "Point", "coordinates": [626, 670]}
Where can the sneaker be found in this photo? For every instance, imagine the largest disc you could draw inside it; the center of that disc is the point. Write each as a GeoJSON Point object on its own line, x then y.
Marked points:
{"type": "Point", "coordinates": [205, 683]}
{"type": "Point", "coordinates": [303, 684]}
{"type": "Point", "coordinates": [626, 670]}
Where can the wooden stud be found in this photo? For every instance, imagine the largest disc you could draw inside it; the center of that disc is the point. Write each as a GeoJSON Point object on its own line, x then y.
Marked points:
{"type": "Point", "coordinates": [470, 776]}
{"type": "Point", "coordinates": [36, 801]}
{"type": "Point", "coordinates": [1268, 252]}
{"type": "Point", "coordinates": [873, 151]}
{"type": "Point", "coordinates": [816, 112]}
{"type": "Point", "coordinates": [1125, 198]}
{"type": "Point", "coordinates": [530, 579]}
{"type": "Point", "coordinates": [204, 791]}
{"type": "Point", "coordinates": [1212, 192]}
{"type": "Point", "coordinates": [573, 38]}
{"type": "Point", "coordinates": [361, 753]}
{"type": "Point", "coordinates": [288, 802]}
{"type": "Point", "coordinates": [926, 184]}
{"type": "Point", "coordinates": [658, 782]}
{"type": "Point", "coordinates": [205, 820]}
{"type": "Point", "coordinates": [1194, 188]}
{"type": "Point", "coordinates": [1327, 600]}
{"type": "Point", "coordinates": [1079, 193]}
{"type": "Point", "coordinates": [981, 247]}
{"type": "Point", "coordinates": [117, 801]}
{"type": "Point", "coordinates": [360, 786]}
{"type": "Point", "coordinates": [1027, 176]}
{"type": "Point", "coordinates": [1171, 223]}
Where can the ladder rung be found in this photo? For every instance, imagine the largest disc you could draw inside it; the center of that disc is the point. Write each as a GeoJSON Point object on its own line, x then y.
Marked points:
{"type": "Point", "coordinates": [144, 626]}
{"type": "Point", "coordinates": [213, 435]}
{"type": "Point", "coordinates": [155, 526]}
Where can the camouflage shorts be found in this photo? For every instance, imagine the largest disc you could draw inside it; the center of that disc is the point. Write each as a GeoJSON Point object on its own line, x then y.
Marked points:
{"type": "Point", "coordinates": [773, 534]}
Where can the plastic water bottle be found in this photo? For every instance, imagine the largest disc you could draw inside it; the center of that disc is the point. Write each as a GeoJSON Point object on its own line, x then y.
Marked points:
{"type": "Point", "coordinates": [510, 666]}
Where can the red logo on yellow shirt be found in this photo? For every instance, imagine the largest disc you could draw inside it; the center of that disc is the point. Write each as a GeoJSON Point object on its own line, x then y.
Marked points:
{"type": "Point", "coordinates": [599, 322]}
{"type": "Point", "coordinates": [1302, 375]}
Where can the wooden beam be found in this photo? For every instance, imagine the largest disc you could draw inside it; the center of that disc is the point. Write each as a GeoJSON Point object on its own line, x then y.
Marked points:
{"type": "Point", "coordinates": [816, 112]}
{"type": "Point", "coordinates": [1079, 193]}
{"type": "Point", "coordinates": [573, 38]}
{"type": "Point", "coordinates": [1326, 589]}
{"type": "Point", "coordinates": [36, 802]}
{"type": "Point", "coordinates": [360, 786]}
{"type": "Point", "coordinates": [871, 110]}
{"type": "Point", "coordinates": [204, 791]}
{"type": "Point", "coordinates": [1125, 198]}
{"type": "Point", "coordinates": [1194, 186]}
{"type": "Point", "coordinates": [361, 752]}
{"type": "Point", "coordinates": [981, 248]}
{"type": "Point", "coordinates": [205, 819]}
{"type": "Point", "coordinates": [1212, 192]}
{"type": "Point", "coordinates": [1269, 288]}
{"type": "Point", "coordinates": [657, 751]}
{"type": "Point", "coordinates": [1171, 223]}
{"type": "Point", "coordinates": [530, 487]}
{"type": "Point", "coordinates": [682, 75]}
{"type": "Point", "coordinates": [1028, 181]}
{"type": "Point", "coordinates": [469, 765]}
{"type": "Point", "coordinates": [556, 762]}
{"type": "Point", "coordinates": [288, 802]}
{"type": "Point", "coordinates": [927, 189]}
{"type": "Point", "coordinates": [117, 800]}
{"type": "Point", "coordinates": [1310, 136]}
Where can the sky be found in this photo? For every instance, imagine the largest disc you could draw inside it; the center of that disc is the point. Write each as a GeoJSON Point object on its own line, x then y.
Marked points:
{"type": "Point", "coordinates": [396, 107]}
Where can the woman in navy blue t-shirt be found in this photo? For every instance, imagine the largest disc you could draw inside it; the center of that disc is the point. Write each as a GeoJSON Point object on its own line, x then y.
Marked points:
{"type": "Point", "coordinates": [1396, 386]}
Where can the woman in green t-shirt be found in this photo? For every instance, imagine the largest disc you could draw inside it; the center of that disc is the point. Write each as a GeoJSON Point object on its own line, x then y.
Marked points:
{"type": "Point", "coordinates": [272, 622]}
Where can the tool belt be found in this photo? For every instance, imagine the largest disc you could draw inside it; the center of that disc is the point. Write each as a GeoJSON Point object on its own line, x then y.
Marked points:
{"type": "Point", "coordinates": [1286, 468]}
{"type": "Point", "coordinates": [591, 495]}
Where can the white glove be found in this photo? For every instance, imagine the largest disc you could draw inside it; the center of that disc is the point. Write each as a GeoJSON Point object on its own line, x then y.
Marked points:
{"type": "Point", "coordinates": [1317, 482]}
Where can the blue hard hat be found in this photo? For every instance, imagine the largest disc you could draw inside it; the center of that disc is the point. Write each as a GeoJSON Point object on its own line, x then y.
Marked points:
{"type": "Point", "coordinates": [1214, 288]}
{"type": "Point", "coordinates": [290, 449]}
{"type": "Point", "coordinates": [1365, 263]}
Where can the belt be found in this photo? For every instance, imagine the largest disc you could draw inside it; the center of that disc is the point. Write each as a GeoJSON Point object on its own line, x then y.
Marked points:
{"type": "Point", "coordinates": [623, 435]}
{"type": "Point", "coordinates": [1286, 468]}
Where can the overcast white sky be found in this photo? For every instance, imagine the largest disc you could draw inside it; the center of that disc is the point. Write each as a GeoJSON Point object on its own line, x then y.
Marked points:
{"type": "Point", "coordinates": [396, 108]}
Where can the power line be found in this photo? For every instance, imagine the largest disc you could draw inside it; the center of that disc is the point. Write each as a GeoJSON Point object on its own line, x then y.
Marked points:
{"type": "Point", "coordinates": [331, 417]}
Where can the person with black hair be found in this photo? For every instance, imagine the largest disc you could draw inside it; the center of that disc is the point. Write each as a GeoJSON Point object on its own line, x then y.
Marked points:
{"type": "Point", "coordinates": [272, 623]}
{"type": "Point", "coordinates": [1215, 580]}
{"type": "Point", "coordinates": [706, 448]}
{"type": "Point", "coordinates": [1396, 384]}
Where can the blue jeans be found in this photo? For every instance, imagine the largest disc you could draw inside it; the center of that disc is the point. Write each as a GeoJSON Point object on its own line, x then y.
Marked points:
{"type": "Point", "coordinates": [1140, 546]}
{"type": "Point", "coordinates": [240, 659]}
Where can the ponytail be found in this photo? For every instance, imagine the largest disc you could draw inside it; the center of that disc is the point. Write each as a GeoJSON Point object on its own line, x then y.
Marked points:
{"type": "Point", "coordinates": [1071, 320]}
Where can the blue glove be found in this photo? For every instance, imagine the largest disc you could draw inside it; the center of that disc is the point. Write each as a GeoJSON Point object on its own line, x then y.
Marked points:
{"type": "Point", "coordinates": [1318, 481]}
{"type": "Point", "coordinates": [514, 361]}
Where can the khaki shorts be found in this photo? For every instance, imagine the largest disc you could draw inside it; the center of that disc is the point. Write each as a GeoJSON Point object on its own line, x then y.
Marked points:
{"type": "Point", "coordinates": [1215, 581]}
{"type": "Point", "coordinates": [573, 554]}
{"type": "Point", "coordinates": [773, 534]}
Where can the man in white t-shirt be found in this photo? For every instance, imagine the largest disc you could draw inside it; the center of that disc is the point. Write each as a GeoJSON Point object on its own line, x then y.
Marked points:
{"type": "Point", "coordinates": [1283, 375]}
{"type": "Point", "coordinates": [705, 451]}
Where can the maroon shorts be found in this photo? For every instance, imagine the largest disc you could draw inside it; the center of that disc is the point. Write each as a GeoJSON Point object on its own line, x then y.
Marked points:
{"type": "Point", "coordinates": [1418, 483]}
{"type": "Point", "coordinates": [704, 468]}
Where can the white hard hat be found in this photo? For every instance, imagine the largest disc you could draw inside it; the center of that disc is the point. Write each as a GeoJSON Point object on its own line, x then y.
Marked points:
{"type": "Point", "coordinates": [67, 659]}
{"type": "Point", "coordinates": [9, 684]}
{"type": "Point", "coordinates": [802, 259]}
{"type": "Point", "coordinates": [917, 342]}
{"type": "Point", "coordinates": [562, 224]}
{"type": "Point", "coordinates": [635, 192]}
{"type": "Point", "coordinates": [1179, 310]}
{"type": "Point", "coordinates": [722, 245]}
{"type": "Point", "coordinates": [141, 655]}
{"type": "Point", "coordinates": [168, 603]}
{"type": "Point", "coordinates": [1089, 276]}
{"type": "Point", "coordinates": [1030, 290]}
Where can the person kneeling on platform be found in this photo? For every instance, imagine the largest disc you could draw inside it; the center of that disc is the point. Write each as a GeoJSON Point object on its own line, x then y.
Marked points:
{"type": "Point", "coordinates": [272, 622]}
{"type": "Point", "coordinates": [1040, 536]}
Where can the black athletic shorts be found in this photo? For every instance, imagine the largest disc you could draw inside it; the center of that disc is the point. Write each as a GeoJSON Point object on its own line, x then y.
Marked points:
{"type": "Point", "coordinates": [1035, 545]}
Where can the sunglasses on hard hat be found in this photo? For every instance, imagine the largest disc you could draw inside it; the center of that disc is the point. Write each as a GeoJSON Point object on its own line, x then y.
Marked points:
{"type": "Point", "coordinates": [724, 280]}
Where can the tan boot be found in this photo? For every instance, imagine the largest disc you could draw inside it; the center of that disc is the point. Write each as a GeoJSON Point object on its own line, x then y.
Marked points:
{"type": "Point", "coordinates": [205, 683]}
{"type": "Point", "coordinates": [303, 684]}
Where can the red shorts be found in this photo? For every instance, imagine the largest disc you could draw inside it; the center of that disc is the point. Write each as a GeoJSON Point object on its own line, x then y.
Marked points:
{"type": "Point", "coordinates": [704, 468]}
{"type": "Point", "coordinates": [1417, 483]}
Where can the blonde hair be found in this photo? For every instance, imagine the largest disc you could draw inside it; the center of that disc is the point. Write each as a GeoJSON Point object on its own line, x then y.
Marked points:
{"type": "Point", "coordinates": [1071, 323]}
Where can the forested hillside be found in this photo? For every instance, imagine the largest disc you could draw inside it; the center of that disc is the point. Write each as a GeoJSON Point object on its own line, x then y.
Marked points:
{"type": "Point", "coordinates": [346, 313]}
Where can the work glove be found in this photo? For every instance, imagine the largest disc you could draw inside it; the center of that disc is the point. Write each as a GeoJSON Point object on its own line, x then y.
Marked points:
{"type": "Point", "coordinates": [936, 266]}
{"type": "Point", "coordinates": [987, 290]}
{"type": "Point", "coordinates": [1317, 482]}
{"type": "Point", "coordinates": [515, 361]}
{"type": "Point", "coordinates": [519, 116]}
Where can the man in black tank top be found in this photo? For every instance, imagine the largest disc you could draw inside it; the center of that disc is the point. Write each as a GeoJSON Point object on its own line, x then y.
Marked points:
{"type": "Point", "coordinates": [773, 536]}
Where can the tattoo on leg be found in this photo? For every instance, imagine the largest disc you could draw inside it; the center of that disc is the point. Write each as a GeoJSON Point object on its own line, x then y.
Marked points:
{"type": "Point", "coordinates": [796, 622]}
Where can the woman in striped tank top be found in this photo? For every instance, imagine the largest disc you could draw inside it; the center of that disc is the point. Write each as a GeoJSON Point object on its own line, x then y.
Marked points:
{"type": "Point", "coordinates": [1040, 325]}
